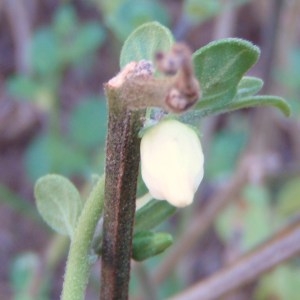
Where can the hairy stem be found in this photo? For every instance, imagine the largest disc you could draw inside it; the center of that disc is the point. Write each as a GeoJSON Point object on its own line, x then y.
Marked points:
{"type": "Point", "coordinates": [78, 266]}
{"type": "Point", "coordinates": [122, 163]}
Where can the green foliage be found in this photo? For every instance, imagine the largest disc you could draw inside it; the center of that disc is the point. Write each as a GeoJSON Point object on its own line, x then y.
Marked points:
{"type": "Point", "coordinates": [282, 283]}
{"type": "Point", "coordinates": [147, 244]}
{"type": "Point", "coordinates": [144, 42]}
{"type": "Point", "coordinates": [122, 17]}
{"type": "Point", "coordinates": [22, 87]}
{"type": "Point", "coordinates": [87, 118]}
{"type": "Point", "coordinates": [46, 52]}
{"type": "Point", "coordinates": [59, 203]}
{"type": "Point", "coordinates": [219, 67]}
{"type": "Point", "coordinates": [152, 214]}
{"type": "Point", "coordinates": [256, 101]}
{"type": "Point", "coordinates": [65, 42]}
{"type": "Point", "coordinates": [248, 86]}
{"type": "Point", "coordinates": [251, 218]}
{"type": "Point", "coordinates": [86, 40]}
{"type": "Point", "coordinates": [64, 21]}
{"type": "Point", "coordinates": [288, 198]}
{"type": "Point", "coordinates": [50, 153]}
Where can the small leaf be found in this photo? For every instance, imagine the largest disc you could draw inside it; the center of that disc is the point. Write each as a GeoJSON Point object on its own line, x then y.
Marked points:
{"type": "Point", "coordinates": [58, 202]}
{"type": "Point", "coordinates": [144, 42]}
{"type": "Point", "coordinates": [147, 244]}
{"type": "Point", "coordinates": [219, 67]}
{"type": "Point", "coordinates": [152, 214]}
{"type": "Point", "coordinates": [255, 101]}
{"type": "Point", "coordinates": [132, 13]}
{"type": "Point", "coordinates": [248, 86]}
{"type": "Point", "coordinates": [192, 117]}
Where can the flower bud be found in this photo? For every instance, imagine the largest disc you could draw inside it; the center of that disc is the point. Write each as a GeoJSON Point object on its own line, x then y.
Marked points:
{"type": "Point", "coordinates": [146, 244]}
{"type": "Point", "coordinates": [172, 162]}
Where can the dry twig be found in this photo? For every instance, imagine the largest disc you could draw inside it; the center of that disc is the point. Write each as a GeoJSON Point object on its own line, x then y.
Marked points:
{"type": "Point", "coordinates": [282, 247]}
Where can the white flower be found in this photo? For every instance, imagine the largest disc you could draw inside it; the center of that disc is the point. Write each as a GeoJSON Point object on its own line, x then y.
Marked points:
{"type": "Point", "coordinates": [172, 162]}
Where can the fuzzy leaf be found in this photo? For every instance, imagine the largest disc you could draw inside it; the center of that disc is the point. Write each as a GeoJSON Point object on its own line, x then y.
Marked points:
{"type": "Point", "coordinates": [264, 100]}
{"type": "Point", "coordinates": [219, 67]}
{"type": "Point", "coordinates": [248, 86]}
{"type": "Point", "coordinates": [193, 117]}
{"type": "Point", "coordinates": [144, 42]}
{"type": "Point", "coordinates": [58, 202]}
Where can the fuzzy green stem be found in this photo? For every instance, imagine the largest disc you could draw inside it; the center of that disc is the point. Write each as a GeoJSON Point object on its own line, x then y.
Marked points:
{"type": "Point", "coordinates": [78, 266]}
{"type": "Point", "coordinates": [122, 163]}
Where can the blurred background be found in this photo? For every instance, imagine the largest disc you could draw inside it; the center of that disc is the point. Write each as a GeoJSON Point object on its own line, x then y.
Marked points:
{"type": "Point", "coordinates": [54, 58]}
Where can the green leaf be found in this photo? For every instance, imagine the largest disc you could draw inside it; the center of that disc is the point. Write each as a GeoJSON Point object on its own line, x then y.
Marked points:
{"type": "Point", "coordinates": [247, 102]}
{"type": "Point", "coordinates": [219, 67]}
{"type": "Point", "coordinates": [22, 87]}
{"type": "Point", "coordinates": [88, 38]}
{"type": "Point", "coordinates": [132, 13]}
{"type": "Point", "coordinates": [65, 20]}
{"type": "Point", "coordinates": [45, 52]}
{"type": "Point", "coordinates": [152, 214]}
{"type": "Point", "coordinates": [58, 202]}
{"type": "Point", "coordinates": [144, 42]}
{"type": "Point", "coordinates": [88, 123]}
{"type": "Point", "coordinates": [52, 154]}
{"type": "Point", "coordinates": [248, 86]}
{"type": "Point", "coordinates": [147, 244]}
{"type": "Point", "coordinates": [255, 101]}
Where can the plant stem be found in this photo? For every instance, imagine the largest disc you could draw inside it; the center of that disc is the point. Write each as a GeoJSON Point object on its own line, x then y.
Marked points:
{"type": "Point", "coordinates": [78, 266]}
{"type": "Point", "coordinates": [122, 163]}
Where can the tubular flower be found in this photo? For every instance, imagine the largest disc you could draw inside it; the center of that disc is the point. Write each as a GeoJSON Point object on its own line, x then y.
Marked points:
{"type": "Point", "coordinates": [172, 162]}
